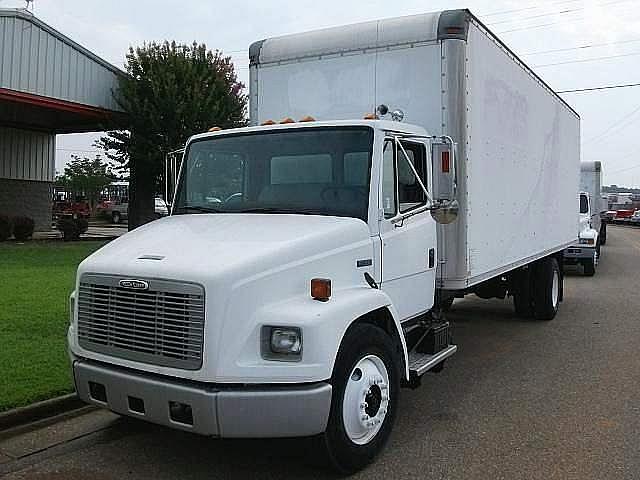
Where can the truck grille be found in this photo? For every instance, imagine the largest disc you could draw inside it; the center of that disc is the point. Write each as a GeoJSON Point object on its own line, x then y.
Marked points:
{"type": "Point", "coordinates": [162, 325]}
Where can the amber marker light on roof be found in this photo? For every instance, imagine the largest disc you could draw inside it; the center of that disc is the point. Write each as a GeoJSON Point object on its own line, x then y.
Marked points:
{"type": "Point", "coordinates": [287, 120]}
{"type": "Point", "coordinates": [321, 289]}
{"type": "Point", "coordinates": [215, 129]}
{"type": "Point", "coordinates": [268, 122]}
{"type": "Point", "coordinates": [370, 116]}
{"type": "Point", "coordinates": [308, 118]}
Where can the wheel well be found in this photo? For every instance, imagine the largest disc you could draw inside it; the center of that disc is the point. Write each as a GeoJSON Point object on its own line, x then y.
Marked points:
{"type": "Point", "coordinates": [383, 319]}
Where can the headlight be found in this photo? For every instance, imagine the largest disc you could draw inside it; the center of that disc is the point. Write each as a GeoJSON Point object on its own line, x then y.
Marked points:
{"type": "Point", "coordinates": [281, 343]}
{"type": "Point", "coordinates": [72, 305]}
{"type": "Point", "coordinates": [587, 241]}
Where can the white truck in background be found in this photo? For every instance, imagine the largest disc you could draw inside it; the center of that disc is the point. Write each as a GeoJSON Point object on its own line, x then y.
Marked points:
{"type": "Point", "coordinates": [591, 182]}
{"type": "Point", "coordinates": [592, 232]}
{"type": "Point", "coordinates": [302, 302]}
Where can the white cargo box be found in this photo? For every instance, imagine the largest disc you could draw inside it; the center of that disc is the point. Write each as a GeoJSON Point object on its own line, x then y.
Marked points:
{"type": "Point", "coordinates": [591, 182]}
{"type": "Point", "coordinates": [518, 143]}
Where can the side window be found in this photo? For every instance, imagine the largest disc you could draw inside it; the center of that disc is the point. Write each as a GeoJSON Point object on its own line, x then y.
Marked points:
{"type": "Point", "coordinates": [388, 181]}
{"type": "Point", "coordinates": [584, 204]}
{"type": "Point", "coordinates": [410, 193]}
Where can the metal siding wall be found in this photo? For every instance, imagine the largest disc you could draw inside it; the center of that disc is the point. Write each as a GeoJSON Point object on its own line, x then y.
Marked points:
{"type": "Point", "coordinates": [35, 61]}
{"type": "Point", "coordinates": [27, 155]}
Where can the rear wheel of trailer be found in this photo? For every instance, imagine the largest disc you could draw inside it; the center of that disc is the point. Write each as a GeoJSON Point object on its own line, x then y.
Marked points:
{"type": "Point", "coordinates": [547, 287]}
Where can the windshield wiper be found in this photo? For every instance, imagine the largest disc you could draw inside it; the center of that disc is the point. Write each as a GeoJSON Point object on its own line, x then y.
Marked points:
{"type": "Point", "coordinates": [200, 208]}
{"type": "Point", "coordinates": [293, 211]}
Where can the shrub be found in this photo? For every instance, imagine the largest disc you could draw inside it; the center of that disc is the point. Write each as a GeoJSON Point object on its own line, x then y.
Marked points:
{"type": "Point", "coordinates": [82, 225]}
{"type": "Point", "coordinates": [5, 228]}
{"type": "Point", "coordinates": [71, 228]}
{"type": "Point", "coordinates": [23, 228]}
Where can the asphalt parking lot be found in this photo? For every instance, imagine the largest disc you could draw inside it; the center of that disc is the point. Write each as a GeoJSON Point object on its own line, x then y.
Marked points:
{"type": "Point", "coordinates": [521, 399]}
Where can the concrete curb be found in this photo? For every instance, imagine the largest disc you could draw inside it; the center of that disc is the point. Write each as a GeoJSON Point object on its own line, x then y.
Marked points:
{"type": "Point", "coordinates": [40, 411]}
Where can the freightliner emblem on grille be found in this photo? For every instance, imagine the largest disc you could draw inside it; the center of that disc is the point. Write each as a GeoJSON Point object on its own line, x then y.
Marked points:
{"type": "Point", "coordinates": [134, 284]}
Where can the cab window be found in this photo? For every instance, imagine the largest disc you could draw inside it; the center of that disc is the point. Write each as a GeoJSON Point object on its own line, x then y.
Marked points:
{"type": "Point", "coordinates": [410, 193]}
{"type": "Point", "coordinates": [401, 191]}
{"type": "Point", "coordinates": [584, 204]}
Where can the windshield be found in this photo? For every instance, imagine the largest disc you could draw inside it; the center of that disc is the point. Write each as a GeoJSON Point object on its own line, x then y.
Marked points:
{"type": "Point", "coordinates": [323, 171]}
{"type": "Point", "coordinates": [584, 204]}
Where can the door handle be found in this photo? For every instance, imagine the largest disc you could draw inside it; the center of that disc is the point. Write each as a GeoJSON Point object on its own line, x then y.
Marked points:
{"type": "Point", "coordinates": [432, 257]}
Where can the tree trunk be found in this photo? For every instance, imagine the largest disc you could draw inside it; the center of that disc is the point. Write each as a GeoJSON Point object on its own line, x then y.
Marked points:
{"type": "Point", "coordinates": [141, 194]}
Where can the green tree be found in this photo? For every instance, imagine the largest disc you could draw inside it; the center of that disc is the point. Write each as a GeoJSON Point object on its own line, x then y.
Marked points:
{"type": "Point", "coordinates": [86, 177]}
{"type": "Point", "coordinates": [170, 93]}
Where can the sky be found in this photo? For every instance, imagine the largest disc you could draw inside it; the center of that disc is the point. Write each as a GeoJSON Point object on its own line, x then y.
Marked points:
{"type": "Point", "coordinates": [571, 44]}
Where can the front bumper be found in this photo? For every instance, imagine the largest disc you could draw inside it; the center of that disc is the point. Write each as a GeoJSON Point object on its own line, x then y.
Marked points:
{"type": "Point", "coordinates": [577, 253]}
{"type": "Point", "coordinates": [240, 412]}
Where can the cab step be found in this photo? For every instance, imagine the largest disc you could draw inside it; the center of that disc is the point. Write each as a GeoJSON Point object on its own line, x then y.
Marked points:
{"type": "Point", "coordinates": [421, 363]}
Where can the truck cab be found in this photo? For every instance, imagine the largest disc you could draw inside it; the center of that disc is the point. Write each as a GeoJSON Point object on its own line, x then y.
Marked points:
{"type": "Point", "coordinates": [587, 250]}
{"type": "Point", "coordinates": [288, 294]}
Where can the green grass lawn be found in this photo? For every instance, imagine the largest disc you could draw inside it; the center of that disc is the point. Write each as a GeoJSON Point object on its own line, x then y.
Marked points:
{"type": "Point", "coordinates": [36, 279]}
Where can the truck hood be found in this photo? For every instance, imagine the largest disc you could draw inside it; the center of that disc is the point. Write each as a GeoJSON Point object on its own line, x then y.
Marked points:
{"type": "Point", "coordinates": [204, 246]}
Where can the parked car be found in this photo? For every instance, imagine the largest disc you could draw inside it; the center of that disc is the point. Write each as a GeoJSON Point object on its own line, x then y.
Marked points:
{"type": "Point", "coordinates": [635, 218]}
{"type": "Point", "coordinates": [119, 211]}
{"type": "Point", "coordinates": [79, 209]}
{"type": "Point", "coordinates": [622, 214]}
{"type": "Point", "coordinates": [161, 208]}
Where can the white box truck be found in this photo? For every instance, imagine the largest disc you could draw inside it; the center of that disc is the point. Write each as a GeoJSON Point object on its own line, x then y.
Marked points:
{"type": "Point", "coordinates": [301, 278]}
{"type": "Point", "coordinates": [591, 183]}
{"type": "Point", "coordinates": [592, 232]}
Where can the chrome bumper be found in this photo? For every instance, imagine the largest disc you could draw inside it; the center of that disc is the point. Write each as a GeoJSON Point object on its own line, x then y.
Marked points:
{"type": "Point", "coordinates": [243, 412]}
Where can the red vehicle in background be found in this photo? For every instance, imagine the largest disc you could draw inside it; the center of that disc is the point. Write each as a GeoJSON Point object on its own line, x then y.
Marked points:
{"type": "Point", "coordinates": [65, 205]}
{"type": "Point", "coordinates": [622, 214]}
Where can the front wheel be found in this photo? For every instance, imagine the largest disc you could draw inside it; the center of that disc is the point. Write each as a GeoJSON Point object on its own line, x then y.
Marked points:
{"type": "Point", "coordinates": [447, 304]}
{"type": "Point", "coordinates": [366, 381]}
{"type": "Point", "coordinates": [590, 266]}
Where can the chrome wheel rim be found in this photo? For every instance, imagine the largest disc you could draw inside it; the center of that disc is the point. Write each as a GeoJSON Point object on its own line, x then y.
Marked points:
{"type": "Point", "coordinates": [555, 288]}
{"type": "Point", "coordinates": [366, 400]}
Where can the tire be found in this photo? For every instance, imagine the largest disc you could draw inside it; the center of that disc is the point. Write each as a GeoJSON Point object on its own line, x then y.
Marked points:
{"type": "Point", "coordinates": [447, 304]}
{"type": "Point", "coordinates": [522, 298]}
{"type": "Point", "coordinates": [116, 217]}
{"type": "Point", "coordinates": [547, 285]}
{"type": "Point", "coordinates": [603, 234]}
{"type": "Point", "coordinates": [366, 350]}
{"type": "Point", "coordinates": [589, 267]}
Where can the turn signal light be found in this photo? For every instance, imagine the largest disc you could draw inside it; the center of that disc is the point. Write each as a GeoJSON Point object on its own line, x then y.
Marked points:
{"type": "Point", "coordinates": [287, 120]}
{"type": "Point", "coordinates": [321, 289]}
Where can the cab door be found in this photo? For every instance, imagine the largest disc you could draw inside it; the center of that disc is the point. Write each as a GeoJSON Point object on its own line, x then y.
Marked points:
{"type": "Point", "coordinates": [407, 230]}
